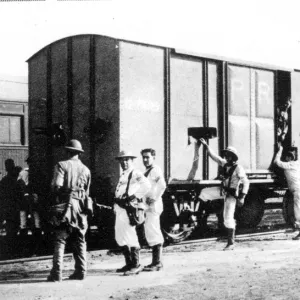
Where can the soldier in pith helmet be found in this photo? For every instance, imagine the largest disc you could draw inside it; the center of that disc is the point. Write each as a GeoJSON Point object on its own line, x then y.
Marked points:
{"type": "Point", "coordinates": [233, 176]}
{"type": "Point", "coordinates": [132, 185]}
{"type": "Point", "coordinates": [71, 183]}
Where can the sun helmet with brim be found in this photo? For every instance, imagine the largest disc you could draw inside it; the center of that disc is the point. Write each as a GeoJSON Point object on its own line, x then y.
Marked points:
{"type": "Point", "coordinates": [232, 151]}
{"type": "Point", "coordinates": [125, 154]}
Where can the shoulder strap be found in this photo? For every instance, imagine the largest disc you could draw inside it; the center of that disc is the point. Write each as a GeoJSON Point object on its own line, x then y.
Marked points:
{"type": "Point", "coordinates": [129, 178]}
{"type": "Point", "coordinates": [232, 169]}
{"type": "Point", "coordinates": [146, 174]}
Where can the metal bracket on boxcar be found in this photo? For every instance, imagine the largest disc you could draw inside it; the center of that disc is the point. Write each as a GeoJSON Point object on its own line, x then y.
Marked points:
{"type": "Point", "coordinates": [201, 132]}
{"type": "Point", "coordinates": [55, 132]}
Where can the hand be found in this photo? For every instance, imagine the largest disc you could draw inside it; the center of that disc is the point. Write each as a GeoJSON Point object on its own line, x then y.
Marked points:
{"type": "Point", "coordinates": [149, 201]}
{"type": "Point", "coordinates": [203, 142]}
{"type": "Point", "coordinates": [241, 200]}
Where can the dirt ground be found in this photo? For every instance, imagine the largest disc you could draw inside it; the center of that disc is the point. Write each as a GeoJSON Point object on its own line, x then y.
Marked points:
{"type": "Point", "coordinates": [266, 267]}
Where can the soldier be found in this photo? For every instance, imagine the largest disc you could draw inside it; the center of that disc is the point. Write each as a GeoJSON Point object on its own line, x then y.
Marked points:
{"type": "Point", "coordinates": [71, 184]}
{"type": "Point", "coordinates": [154, 208]}
{"type": "Point", "coordinates": [291, 169]}
{"type": "Point", "coordinates": [132, 185]}
{"type": "Point", "coordinates": [233, 176]}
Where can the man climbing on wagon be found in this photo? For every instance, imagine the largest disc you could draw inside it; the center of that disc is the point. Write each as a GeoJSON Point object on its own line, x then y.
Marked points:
{"type": "Point", "coordinates": [132, 186]}
{"type": "Point", "coordinates": [154, 208]}
{"type": "Point", "coordinates": [234, 175]}
{"type": "Point", "coordinates": [291, 169]}
{"type": "Point", "coordinates": [70, 185]}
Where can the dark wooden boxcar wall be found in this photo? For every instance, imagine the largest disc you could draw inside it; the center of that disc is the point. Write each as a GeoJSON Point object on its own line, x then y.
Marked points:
{"type": "Point", "coordinates": [74, 82]}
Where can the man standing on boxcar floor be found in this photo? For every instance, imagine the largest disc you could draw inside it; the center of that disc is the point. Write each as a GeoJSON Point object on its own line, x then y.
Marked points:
{"type": "Point", "coordinates": [154, 209]}
{"type": "Point", "coordinates": [292, 174]}
{"type": "Point", "coordinates": [71, 184]}
{"type": "Point", "coordinates": [132, 185]}
{"type": "Point", "coordinates": [233, 176]}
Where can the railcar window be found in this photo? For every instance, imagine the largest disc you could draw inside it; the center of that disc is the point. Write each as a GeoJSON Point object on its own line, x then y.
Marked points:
{"type": "Point", "coordinates": [11, 130]}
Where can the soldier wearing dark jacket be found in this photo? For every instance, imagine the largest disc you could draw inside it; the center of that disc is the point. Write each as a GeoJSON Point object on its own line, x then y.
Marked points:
{"type": "Point", "coordinates": [71, 184]}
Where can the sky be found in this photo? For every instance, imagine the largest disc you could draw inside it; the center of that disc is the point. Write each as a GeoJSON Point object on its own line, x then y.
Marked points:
{"type": "Point", "coordinates": [257, 31]}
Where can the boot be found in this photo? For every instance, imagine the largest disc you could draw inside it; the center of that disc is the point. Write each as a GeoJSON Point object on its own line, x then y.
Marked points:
{"type": "Point", "coordinates": [58, 256]}
{"type": "Point", "coordinates": [156, 264]}
{"type": "Point", "coordinates": [127, 255]}
{"type": "Point", "coordinates": [54, 277]}
{"type": "Point", "coordinates": [230, 244]}
{"type": "Point", "coordinates": [136, 268]}
{"type": "Point", "coordinates": [297, 237]}
{"type": "Point", "coordinates": [77, 276]}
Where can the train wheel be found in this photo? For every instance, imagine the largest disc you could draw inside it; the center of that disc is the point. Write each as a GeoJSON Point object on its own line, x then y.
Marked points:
{"type": "Point", "coordinates": [251, 213]}
{"type": "Point", "coordinates": [174, 229]}
{"type": "Point", "coordinates": [288, 208]}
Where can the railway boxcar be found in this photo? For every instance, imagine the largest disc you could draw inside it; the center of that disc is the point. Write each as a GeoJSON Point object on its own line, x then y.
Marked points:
{"type": "Point", "coordinates": [13, 120]}
{"type": "Point", "coordinates": [113, 94]}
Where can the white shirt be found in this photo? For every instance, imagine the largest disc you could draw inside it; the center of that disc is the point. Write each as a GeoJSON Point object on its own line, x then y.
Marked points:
{"type": "Point", "coordinates": [139, 185]}
{"type": "Point", "coordinates": [291, 171]}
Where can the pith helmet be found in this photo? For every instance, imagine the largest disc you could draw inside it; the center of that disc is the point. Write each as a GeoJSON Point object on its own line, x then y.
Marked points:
{"type": "Point", "coordinates": [232, 151]}
{"type": "Point", "coordinates": [74, 145]}
{"type": "Point", "coordinates": [291, 154]}
{"type": "Point", "coordinates": [123, 154]}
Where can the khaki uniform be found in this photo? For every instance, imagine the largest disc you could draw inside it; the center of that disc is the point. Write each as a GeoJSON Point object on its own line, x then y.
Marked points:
{"type": "Point", "coordinates": [74, 179]}
{"type": "Point", "coordinates": [238, 177]}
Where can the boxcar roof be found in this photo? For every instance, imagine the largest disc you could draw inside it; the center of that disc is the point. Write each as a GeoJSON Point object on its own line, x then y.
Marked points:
{"type": "Point", "coordinates": [194, 53]}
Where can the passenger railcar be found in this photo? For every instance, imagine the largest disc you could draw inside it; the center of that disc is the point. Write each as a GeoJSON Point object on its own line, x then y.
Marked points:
{"type": "Point", "coordinates": [13, 120]}
{"type": "Point", "coordinates": [113, 94]}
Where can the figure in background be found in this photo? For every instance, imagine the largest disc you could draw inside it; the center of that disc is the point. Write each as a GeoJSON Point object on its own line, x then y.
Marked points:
{"type": "Point", "coordinates": [28, 203]}
{"type": "Point", "coordinates": [9, 210]}
{"type": "Point", "coordinates": [234, 175]}
{"type": "Point", "coordinates": [71, 185]}
{"type": "Point", "coordinates": [291, 168]}
{"type": "Point", "coordinates": [283, 116]}
{"type": "Point", "coordinates": [154, 208]}
{"type": "Point", "coordinates": [132, 186]}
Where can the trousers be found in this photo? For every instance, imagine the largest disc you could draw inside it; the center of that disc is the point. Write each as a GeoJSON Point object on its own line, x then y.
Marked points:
{"type": "Point", "coordinates": [78, 243]}
{"type": "Point", "coordinates": [213, 193]}
{"type": "Point", "coordinates": [296, 195]}
{"type": "Point", "coordinates": [125, 234]}
{"type": "Point", "coordinates": [152, 228]}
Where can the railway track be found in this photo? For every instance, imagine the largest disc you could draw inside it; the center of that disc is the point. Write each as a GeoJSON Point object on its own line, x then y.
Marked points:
{"type": "Point", "coordinates": [200, 241]}
{"type": "Point", "coordinates": [272, 224]}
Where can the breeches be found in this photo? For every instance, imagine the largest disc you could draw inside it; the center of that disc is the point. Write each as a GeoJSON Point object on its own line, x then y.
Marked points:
{"type": "Point", "coordinates": [228, 213]}
{"type": "Point", "coordinates": [296, 195]}
{"type": "Point", "coordinates": [23, 219]}
{"type": "Point", "coordinates": [213, 193]}
{"type": "Point", "coordinates": [152, 229]}
{"type": "Point", "coordinates": [77, 239]}
{"type": "Point", "coordinates": [125, 234]}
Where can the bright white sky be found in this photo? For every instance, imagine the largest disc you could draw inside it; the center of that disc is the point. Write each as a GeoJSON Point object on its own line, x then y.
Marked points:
{"type": "Point", "coordinates": [253, 30]}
